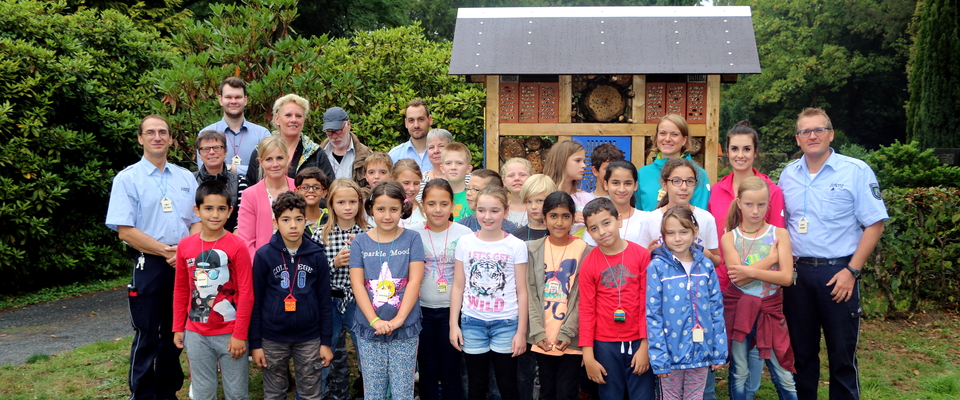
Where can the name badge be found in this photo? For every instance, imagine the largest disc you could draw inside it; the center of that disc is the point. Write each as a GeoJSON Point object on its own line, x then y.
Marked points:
{"type": "Point", "coordinates": [802, 225]}
{"type": "Point", "coordinates": [698, 334]}
{"type": "Point", "coordinates": [442, 284]}
{"type": "Point", "coordinates": [235, 160]}
{"type": "Point", "coordinates": [166, 204]}
{"type": "Point", "coordinates": [202, 280]}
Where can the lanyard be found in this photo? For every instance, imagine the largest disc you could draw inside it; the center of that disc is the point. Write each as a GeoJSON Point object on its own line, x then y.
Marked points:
{"type": "Point", "coordinates": [436, 255]}
{"type": "Point", "coordinates": [287, 281]}
{"type": "Point", "coordinates": [234, 144]}
{"type": "Point", "coordinates": [162, 184]}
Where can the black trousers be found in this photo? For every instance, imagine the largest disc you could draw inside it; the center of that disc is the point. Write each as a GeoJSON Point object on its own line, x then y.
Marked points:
{"type": "Point", "coordinates": [808, 307]}
{"type": "Point", "coordinates": [559, 376]}
{"type": "Point", "coordinates": [155, 371]}
{"type": "Point", "coordinates": [478, 375]}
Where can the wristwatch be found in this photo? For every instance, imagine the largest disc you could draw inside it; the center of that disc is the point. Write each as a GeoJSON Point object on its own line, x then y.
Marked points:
{"type": "Point", "coordinates": [854, 271]}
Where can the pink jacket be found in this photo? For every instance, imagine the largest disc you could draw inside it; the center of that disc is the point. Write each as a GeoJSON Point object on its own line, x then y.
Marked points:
{"type": "Point", "coordinates": [721, 195]}
{"type": "Point", "coordinates": [255, 219]}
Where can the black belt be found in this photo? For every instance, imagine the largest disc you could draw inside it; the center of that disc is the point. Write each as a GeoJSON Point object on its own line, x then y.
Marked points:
{"type": "Point", "coordinates": [822, 261]}
{"type": "Point", "coordinates": [338, 293]}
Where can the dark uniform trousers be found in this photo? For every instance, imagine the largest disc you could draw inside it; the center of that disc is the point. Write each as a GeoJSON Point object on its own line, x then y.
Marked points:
{"type": "Point", "coordinates": [155, 371]}
{"type": "Point", "coordinates": [808, 307]}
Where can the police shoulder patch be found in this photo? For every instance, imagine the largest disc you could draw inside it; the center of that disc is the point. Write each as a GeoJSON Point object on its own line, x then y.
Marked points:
{"type": "Point", "coordinates": [875, 190]}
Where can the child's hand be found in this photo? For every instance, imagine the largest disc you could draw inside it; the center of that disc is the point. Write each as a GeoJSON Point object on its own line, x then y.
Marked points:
{"type": "Point", "coordinates": [178, 339]}
{"type": "Point", "coordinates": [739, 274]}
{"type": "Point", "coordinates": [595, 371]}
{"type": "Point", "coordinates": [456, 337]}
{"type": "Point", "coordinates": [561, 345]}
{"type": "Point", "coordinates": [396, 323]}
{"type": "Point", "coordinates": [237, 347]}
{"type": "Point", "coordinates": [518, 344]}
{"type": "Point", "coordinates": [715, 367]}
{"type": "Point", "coordinates": [326, 356]}
{"type": "Point", "coordinates": [343, 257]}
{"type": "Point", "coordinates": [258, 357]}
{"type": "Point", "coordinates": [578, 217]}
{"type": "Point", "coordinates": [653, 244]}
{"type": "Point", "coordinates": [382, 327]}
{"type": "Point", "coordinates": [640, 361]}
{"type": "Point", "coordinates": [545, 345]}
{"type": "Point", "coordinates": [663, 376]}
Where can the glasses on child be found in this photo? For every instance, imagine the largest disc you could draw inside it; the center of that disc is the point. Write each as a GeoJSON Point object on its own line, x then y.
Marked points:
{"type": "Point", "coordinates": [310, 188]}
{"type": "Point", "coordinates": [679, 182]}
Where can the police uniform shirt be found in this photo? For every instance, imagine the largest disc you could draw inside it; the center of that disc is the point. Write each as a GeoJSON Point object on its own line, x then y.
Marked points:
{"type": "Point", "coordinates": [136, 195]}
{"type": "Point", "coordinates": [843, 197]}
{"type": "Point", "coordinates": [240, 143]}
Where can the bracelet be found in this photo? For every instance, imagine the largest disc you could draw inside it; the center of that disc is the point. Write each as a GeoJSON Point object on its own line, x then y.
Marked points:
{"type": "Point", "coordinates": [374, 321]}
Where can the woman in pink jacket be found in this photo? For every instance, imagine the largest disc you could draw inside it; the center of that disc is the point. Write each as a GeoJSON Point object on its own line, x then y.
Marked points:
{"type": "Point", "coordinates": [255, 220]}
{"type": "Point", "coordinates": [743, 146]}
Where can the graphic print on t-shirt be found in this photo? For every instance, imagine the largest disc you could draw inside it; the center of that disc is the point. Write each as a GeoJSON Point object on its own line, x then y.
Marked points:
{"type": "Point", "coordinates": [213, 289]}
{"type": "Point", "coordinates": [386, 290]}
{"type": "Point", "coordinates": [486, 281]}
{"type": "Point", "coordinates": [615, 276]}
{"type": "Point", "coordinates": [556, 288]}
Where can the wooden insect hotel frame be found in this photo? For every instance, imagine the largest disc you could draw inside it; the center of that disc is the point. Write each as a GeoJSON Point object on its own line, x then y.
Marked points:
{"type": "Point", "coordinates": [602, 74]}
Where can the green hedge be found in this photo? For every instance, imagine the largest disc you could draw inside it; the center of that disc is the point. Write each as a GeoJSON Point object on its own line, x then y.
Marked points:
{"type": "Point", "coordinates": [70, 100]}
{"type": "Point", "coordinates": [916, 259]}
{"type": "Point", "coordinates": [372, 75]}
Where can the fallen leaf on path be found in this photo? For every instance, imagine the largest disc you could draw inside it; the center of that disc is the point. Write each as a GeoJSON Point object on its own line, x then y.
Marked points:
{"type": "Point", "coordinates": [916, 372]}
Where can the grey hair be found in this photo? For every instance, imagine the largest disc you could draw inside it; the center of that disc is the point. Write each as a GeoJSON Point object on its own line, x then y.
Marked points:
{"type": "Point", "coordinates": [440, 134]}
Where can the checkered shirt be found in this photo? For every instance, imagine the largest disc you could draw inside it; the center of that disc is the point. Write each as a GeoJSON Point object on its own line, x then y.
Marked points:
{"type": "Point", "coordinates": [339, 277]}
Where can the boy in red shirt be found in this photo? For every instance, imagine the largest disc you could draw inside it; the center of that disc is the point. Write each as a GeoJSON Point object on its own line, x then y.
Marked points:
{"type": "Point", "coordinates": [213, 298]}
{"type": "Point", "coordinates": [613, 328]}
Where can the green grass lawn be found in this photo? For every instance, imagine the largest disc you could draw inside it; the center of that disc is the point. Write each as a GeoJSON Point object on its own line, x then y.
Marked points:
{"type": "Point", "coordinates": [917, 358]}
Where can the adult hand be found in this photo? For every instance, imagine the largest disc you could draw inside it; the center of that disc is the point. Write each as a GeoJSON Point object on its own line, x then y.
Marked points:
{"type": "Point", "coordinates": [170, 253]}
{"type": "Point", "coordinates": [842, 282]}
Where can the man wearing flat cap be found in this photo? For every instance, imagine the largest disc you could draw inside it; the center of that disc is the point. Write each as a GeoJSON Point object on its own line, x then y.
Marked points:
{"type": "Point", "coordinates": [343, 148]}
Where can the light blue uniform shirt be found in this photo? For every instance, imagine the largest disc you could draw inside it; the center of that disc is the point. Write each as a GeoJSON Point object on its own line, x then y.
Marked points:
{"type": "Point", "coordinates": [242, 143]}
{"type": "Point", "coordinates": [406, 150]}
{"type": "Point", "coordinates": [840, 199]}
{"type": "Point", "coordinates": [135, 201]}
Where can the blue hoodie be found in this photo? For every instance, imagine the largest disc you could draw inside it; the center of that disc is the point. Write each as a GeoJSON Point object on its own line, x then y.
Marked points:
{"type": "Point", "coordinates": [313, 317]}
{"type": "Point", "coordinates": [670, 316]}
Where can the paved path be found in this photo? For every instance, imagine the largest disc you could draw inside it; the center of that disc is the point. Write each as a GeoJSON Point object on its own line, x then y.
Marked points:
{"type": "Point", "coordinates": [58, 326]}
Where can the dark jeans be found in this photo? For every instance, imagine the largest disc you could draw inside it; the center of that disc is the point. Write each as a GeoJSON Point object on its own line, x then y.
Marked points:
{"type": "Point", "coordinates": [505, 369]}
{"type": "Point", "coordinates": [155, 371]}
{"type": "Point", "coordinates": [808, 307]}
{"type": "Point", "coordinates": [439, 361]}
{"type": "Point", "coordinates": [559, 376]}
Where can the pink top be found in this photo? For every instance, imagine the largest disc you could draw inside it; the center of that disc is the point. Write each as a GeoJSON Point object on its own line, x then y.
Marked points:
{"type": "Point", "coordinates": [255, 219]}
{"type": "Point", "coordinates": [722, 194]}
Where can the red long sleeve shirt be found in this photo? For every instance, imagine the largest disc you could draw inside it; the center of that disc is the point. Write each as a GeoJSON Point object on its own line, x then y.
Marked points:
{"type": "Point", "coordinates": [213, 290]}
{"type": "Point", "coordinates": [608, 283]}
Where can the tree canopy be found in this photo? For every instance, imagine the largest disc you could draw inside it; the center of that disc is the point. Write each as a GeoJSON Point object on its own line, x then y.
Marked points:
{"type": "Point", "coordinates": [934, 110]}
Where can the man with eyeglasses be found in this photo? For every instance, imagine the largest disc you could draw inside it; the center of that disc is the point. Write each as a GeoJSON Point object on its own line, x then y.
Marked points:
{"type": "Point", "coordinates": [242, 136]}
{"type": "Point", "coordinates": [343, 148]}
{"type": "Point", "coordinates": [211, 148]}
{"type": "Point", "coordinates": [835, 216]}
{"type": "Point", "coordinates": [151, 208]}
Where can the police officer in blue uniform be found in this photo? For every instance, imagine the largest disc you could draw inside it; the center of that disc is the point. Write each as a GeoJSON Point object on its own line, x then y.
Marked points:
{"type": "Point", "coordinates": [151, 208]}
{"type": "Point", "coordinates": [835, 215]}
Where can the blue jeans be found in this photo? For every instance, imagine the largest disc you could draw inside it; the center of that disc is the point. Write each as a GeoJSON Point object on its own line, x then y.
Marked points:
{"type": "Point", "coordinates": [481, 336]}
{"type": "Point", "coordinates": [746, 368]}
{"type": "Point", "coordinates": [336, 376]}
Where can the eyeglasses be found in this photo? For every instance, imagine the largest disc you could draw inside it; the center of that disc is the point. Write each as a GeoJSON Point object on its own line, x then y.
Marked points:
{"type": "Point", "coordinates": [310, 188]}
{"type": "Point", "coordinates": [819, 131]}
{"type": "Point", "coordinates": [215, 149]}
{"type": "Point", "coordinates": [474, 190]}
{"type": "Point", "coordinates": [679, 182]}
{"type": "Point", "coordinates": [156, 133]}
{"type": "Point", "coordinates": [331, 132]}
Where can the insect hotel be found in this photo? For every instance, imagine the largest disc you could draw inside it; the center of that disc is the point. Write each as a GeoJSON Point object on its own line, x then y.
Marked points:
{"type": "Point", "coordinates": [602, 75]}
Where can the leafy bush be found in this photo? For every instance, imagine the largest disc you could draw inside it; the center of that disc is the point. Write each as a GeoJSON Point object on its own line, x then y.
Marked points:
{"type": "Point", "coordinates": [70, 101]}
{"type": "Point", "coordinates": [372, 75]}
{"type": "Point", "coordinates": [905, 165]}
{"type": "Point", "coordinates": [916, 258]}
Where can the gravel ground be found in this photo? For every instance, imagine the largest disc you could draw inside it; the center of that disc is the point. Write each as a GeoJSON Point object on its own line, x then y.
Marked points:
{"type": "Point", "coordinates": [58, 326]}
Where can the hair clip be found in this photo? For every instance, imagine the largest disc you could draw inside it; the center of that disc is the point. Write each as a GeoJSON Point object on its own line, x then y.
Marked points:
{"type": "Point", "coordinates": [405, 201]}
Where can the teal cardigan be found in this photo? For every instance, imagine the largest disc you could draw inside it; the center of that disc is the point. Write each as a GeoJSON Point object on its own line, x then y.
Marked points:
{"type": "Point", "coordinates": [648, 184]}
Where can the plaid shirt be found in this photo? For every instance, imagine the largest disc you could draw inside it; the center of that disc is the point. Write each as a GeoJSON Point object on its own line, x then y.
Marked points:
{"type": "Point", "coordinates": [339, 277]}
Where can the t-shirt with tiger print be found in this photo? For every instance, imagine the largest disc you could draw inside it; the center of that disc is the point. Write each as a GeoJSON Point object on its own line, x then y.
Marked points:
{"type": "Point", "coordinates": [490, 291]}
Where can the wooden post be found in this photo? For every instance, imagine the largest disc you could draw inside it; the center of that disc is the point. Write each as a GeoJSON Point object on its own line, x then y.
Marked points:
{"type": "Point", "coordinates": [565, 97]}
{"type": "Point", "coordinates": [638, 113]}
{"type": "Point", "coordinates": [712, 139]}
{"type": "Point", "coordinates": [493, 123]}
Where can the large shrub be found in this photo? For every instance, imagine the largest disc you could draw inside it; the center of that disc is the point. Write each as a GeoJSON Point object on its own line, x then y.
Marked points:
{"type": "Point", "coordinates": [372, 75]}
{"type": "Point", "coordinates": [916, 259]}
{"type": "Point", "coordinates": [70, 100]}
{"type": "Point", "coordinates": [906, 165]}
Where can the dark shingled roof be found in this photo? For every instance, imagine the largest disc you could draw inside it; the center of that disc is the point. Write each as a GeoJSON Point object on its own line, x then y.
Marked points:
{"type": "Point", "coordinates": [605, 40]}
